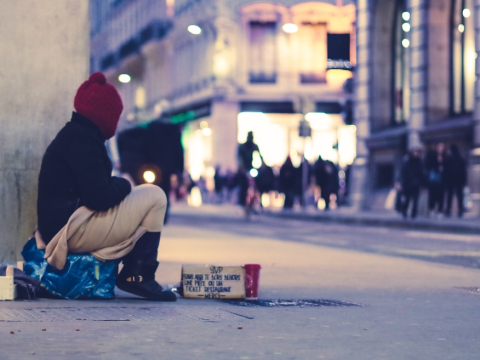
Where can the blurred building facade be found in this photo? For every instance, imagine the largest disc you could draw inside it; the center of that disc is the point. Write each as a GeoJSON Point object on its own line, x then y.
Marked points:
{"type": "Point", "coordinates": [246, 66]}
{"type": "Point", "coordinates": [416, 81]}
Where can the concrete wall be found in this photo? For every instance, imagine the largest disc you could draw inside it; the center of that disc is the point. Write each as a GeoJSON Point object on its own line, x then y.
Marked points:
{"type": "Point", "coordinates": [45, 57]}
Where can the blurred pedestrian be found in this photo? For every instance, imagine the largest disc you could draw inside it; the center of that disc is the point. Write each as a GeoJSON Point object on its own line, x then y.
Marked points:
{"type": "Point", "coordinates": [456, 179]}
{"type": "Point", "coordinates": [219, 183]}
{"type": "Point", "coordinates": [245, 152]}
{"type": "Point", "coordinates": [326, 176]}
{"type": "Point", "coordinates": [241, 181]}
{"type": "Point", "coordinates": [288, 182]}
{"type": "Point", "coordinates": [265, 179]}
{"type": "Point", "coordinates": [411, 180]}
{"type": "Point", "coordinates": [82, 208]}
{"type": "Point", "coordinates": [435, 173]}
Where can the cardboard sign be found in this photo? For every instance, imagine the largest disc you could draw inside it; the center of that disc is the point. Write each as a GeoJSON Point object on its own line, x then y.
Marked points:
{"type": "Point", "coordinates": [213, 282]}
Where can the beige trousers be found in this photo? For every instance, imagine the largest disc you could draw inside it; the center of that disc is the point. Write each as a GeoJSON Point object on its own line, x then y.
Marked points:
{"type": "Point", "coordinates": [110, 234]}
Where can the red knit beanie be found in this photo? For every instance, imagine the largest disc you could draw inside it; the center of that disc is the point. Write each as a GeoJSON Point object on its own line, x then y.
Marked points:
{"type": "Point", "coordinates": [100, 103]}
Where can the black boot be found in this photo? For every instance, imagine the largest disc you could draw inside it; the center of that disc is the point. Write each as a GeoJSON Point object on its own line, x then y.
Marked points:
{"type": "Point", "coordinates": [138, 274]}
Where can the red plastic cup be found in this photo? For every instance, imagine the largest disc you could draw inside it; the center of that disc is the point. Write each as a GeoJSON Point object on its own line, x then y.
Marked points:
{"type": "Point", "coordinates": [252, 277]}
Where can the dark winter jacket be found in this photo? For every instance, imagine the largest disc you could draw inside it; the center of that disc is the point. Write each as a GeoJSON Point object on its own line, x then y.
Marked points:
{"type": "Point", "coordinates": [412, 176]}
{"type": "Point", "coordinates": [326, 176]}
{"type": "Point", "coordinates": [455, 171]}
{"type": "Point", "coordinates": [76, 171]}
{"type": "Point", "coordinates": [288, 177]}
{"type": "Point", "coordinates": [435, 169]}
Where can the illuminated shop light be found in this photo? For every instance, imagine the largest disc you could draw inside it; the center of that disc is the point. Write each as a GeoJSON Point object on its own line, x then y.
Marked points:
{"type": "Point", "coordinates": [253, 172]}
{"type": "Point", "coordinates": [405, 43]}
{"type": "Point", "coordinates": [461, 28]}
{"type": "Point", "coordinates": [203, 124]}
{"type": "Point", "coordinates": [406, 15]}
{"type": "Point", "coordinates": [406, 27]}
{"type": "Point", "coordinates": [466, 13]}
{"type": "Point", "coordinates": [206, 132]}
{"type": "Point", "coordinates": [194, 29]}
{"type": "Point", "coordinates": [290, 28]}
{"type": "Point", "coordinates": [124, 78]}
{"type": "Point", "coordinates": [319, 121]}
{"type": "Point", "coordinates": [313, 116]}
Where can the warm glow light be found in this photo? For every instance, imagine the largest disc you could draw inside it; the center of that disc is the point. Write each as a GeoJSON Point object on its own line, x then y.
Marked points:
{"type": "Point", "coordinates": [265, 199]}
{"type": "Point", "coordinates": [195, 197]}
{"type": "Point", "coordinates": [290, 28]}
{"type": "Point", "coordinates": [203, 124]}
{"type": "Point", "coordinates": [466, 13]}
{"type": "Point", "coordinates": [253, 172]}
{"type": "Point", "coordinates": [124, 78]}
{"type": "Point", "coordinates": [405, 43]}
{"type": "Point", "coordinates": [406, 27]}
{"type": "Point", "coordinates": [406, 15]}
{"type": "Point", "coordinates": [256, 160]}
{"type": "Point", "coordinates": [207, 132]}
{"type": "Point", "coordinates": [337, 77]}
{"type": "Point", "coordinates": [221, 66]}
{"type": "Point", "coordinates": [140, 97]}
{"type": "Point", "coordinates": [461, 28]}
{"type": "Point", "coordinates": [194, 29]}
{"type": "Point", "coordinates": [149, 176]}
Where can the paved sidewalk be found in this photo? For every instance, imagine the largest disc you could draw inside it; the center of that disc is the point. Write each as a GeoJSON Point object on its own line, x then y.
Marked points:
{"type": "Point", "coordinates": [346, 215]}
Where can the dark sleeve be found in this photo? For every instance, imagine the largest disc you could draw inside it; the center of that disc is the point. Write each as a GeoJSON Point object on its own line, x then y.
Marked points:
{"type": "Point", "coordinates": [99, 190]}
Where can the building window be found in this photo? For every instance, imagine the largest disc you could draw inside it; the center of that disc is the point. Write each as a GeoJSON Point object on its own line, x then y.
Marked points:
{"type": "Point", "coordinates": [312, 53]}
{"type": "Point", "coordinates": [401, 73]}
{"type": "Point", "coordinates": [463, 56]}
{"type": "Point", "coordinates": [263, 62]}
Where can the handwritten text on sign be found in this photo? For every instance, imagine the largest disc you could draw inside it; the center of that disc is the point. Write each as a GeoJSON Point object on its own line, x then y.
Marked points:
{"type": "Point", "coordinates": [213, 282]}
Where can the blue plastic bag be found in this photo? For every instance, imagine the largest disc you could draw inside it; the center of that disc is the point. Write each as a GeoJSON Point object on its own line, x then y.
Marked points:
{"type": "Point", "coordinates": [83, 277]}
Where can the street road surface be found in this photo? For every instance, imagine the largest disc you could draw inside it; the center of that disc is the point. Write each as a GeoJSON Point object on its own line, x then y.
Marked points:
{"type": "Point", "coordinates": [446, 248]}
{"type": "Point", "coordinates": [418, 293]}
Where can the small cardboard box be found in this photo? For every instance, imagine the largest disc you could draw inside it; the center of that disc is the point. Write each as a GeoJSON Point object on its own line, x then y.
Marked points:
{"type": "Point", "coordinates": [8, 290]}
{"type": "Point", "coordinates": [213, 282]}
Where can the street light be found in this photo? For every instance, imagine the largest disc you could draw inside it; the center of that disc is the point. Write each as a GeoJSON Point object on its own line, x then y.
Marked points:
{"type": "Point", "coordinates": [194, 29]}
{"type": "Point", "coordinates": [124, 78]}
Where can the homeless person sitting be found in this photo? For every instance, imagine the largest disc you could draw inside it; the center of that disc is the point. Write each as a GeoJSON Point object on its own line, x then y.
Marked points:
{"type": "Point", "coordinates": [82, 208]}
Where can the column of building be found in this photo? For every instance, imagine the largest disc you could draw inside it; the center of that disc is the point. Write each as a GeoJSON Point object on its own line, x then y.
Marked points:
{"type": "Point", "coordinates": [46, 56]}
{"type": "Point", "coordinates": [474, 158]}
{"type": "Point", "coordinates": [418, 70]}
{"type": "Point", "coordinates": [359, 175]}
